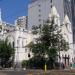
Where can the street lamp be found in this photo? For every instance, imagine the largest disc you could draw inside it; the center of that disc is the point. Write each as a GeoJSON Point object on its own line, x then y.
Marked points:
{"type": "Point", "coordinates": [45, 66]}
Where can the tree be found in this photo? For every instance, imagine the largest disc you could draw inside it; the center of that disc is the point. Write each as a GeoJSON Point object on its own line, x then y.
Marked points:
{"type": "Point", "coordinates": [49, 43]}
{"type": "Point", "coordinates": [6, 53]}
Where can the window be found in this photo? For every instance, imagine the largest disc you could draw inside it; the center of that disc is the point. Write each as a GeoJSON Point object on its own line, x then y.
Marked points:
{"type": "Point", "coordinates": [25, 50]}
{"type": "Point", "coordinates": [23, 29]}
{"type": "Point", "coordinates": [39, 15]}
{"type": "Point", "coordinates": [19, 28]}
{"type": "Point", "coordinates": [39, 20]}
{"type": "Point", "coordinates": [22, 44]}
{"type": "Point", "coordinates": [39, 10]}
{"type": "Point", "coordinates": [0, 30]}
{"type": "Point", "coordinates": [51, 6]}
{"type": "Point", "coordinates": [51, 1]}
{"type": "Point", "coordinates": [39, 5]}
{"type": "Point", "coordinates": [26, 41]}
{"type": "Point", "coordinates": [17, 42]}
{"type": "Point", "coordinates": [13, 43]}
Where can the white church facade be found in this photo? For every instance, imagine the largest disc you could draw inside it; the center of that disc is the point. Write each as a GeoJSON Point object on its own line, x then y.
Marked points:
{"type": "Point", "coordinates": [19, 35]}
{"type": "Point", "coordinates": [66, 57]}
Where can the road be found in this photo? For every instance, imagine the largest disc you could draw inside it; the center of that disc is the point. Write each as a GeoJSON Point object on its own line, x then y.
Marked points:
{"type": "Point", "coordinates": [26, 72]}
{"type": "Point", "coordinates": [38, 72]}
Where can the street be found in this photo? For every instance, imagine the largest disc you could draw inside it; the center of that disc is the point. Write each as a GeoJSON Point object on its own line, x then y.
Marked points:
{"type": "Point", "coordinates": [38, 72]}
{"type": "Point", "coordinates": [17, 72]}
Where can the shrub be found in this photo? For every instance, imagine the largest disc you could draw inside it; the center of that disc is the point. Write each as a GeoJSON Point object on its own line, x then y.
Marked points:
{"type": "Point", "coordinates": [24, 63]}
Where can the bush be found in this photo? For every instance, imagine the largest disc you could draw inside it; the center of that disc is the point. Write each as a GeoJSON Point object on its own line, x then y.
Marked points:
{"type": "Point", "coordinates": [39, 63]}
{"type": "Point", "coordinates": [35, 63]}
{"type": "Point", "coordinates": [24, 63]}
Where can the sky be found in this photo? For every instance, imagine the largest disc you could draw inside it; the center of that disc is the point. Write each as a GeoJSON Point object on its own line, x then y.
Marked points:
{"type": "Point", "coordinates": [12, 9]}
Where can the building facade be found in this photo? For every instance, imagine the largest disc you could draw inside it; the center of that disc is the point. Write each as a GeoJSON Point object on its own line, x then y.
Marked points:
{"type": "Point", "coordinates": [66, 57]}
{"type": "Point", "coordinates": [38, 10]}
{"type": "Point", "coordinates": [18, 34]}
{"type": "Point", "coordinates": [22, 22]}
{"type": "Point", "coordinates": [73, 18]}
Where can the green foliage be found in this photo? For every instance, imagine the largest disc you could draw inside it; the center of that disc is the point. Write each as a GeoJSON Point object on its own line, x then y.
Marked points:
{"type": "Point", "coordinates": [34, 63]}
{"type": "Point", "coordinates": [49, 43]}
{"type": "Point", "coordinates": [24, 63]}
{"type": "Point", "coordinates": [6, 52]}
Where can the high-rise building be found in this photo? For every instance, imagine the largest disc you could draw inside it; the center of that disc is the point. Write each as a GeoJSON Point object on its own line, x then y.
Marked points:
{"type": "Point", "coordinates": [73, 18]}
{"type": "Point", "coordinates": [22, 21]}
{"type": "Point", "coordinates": [33, 1]}
{"type": "Point", "coordinates": [38, 10]}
